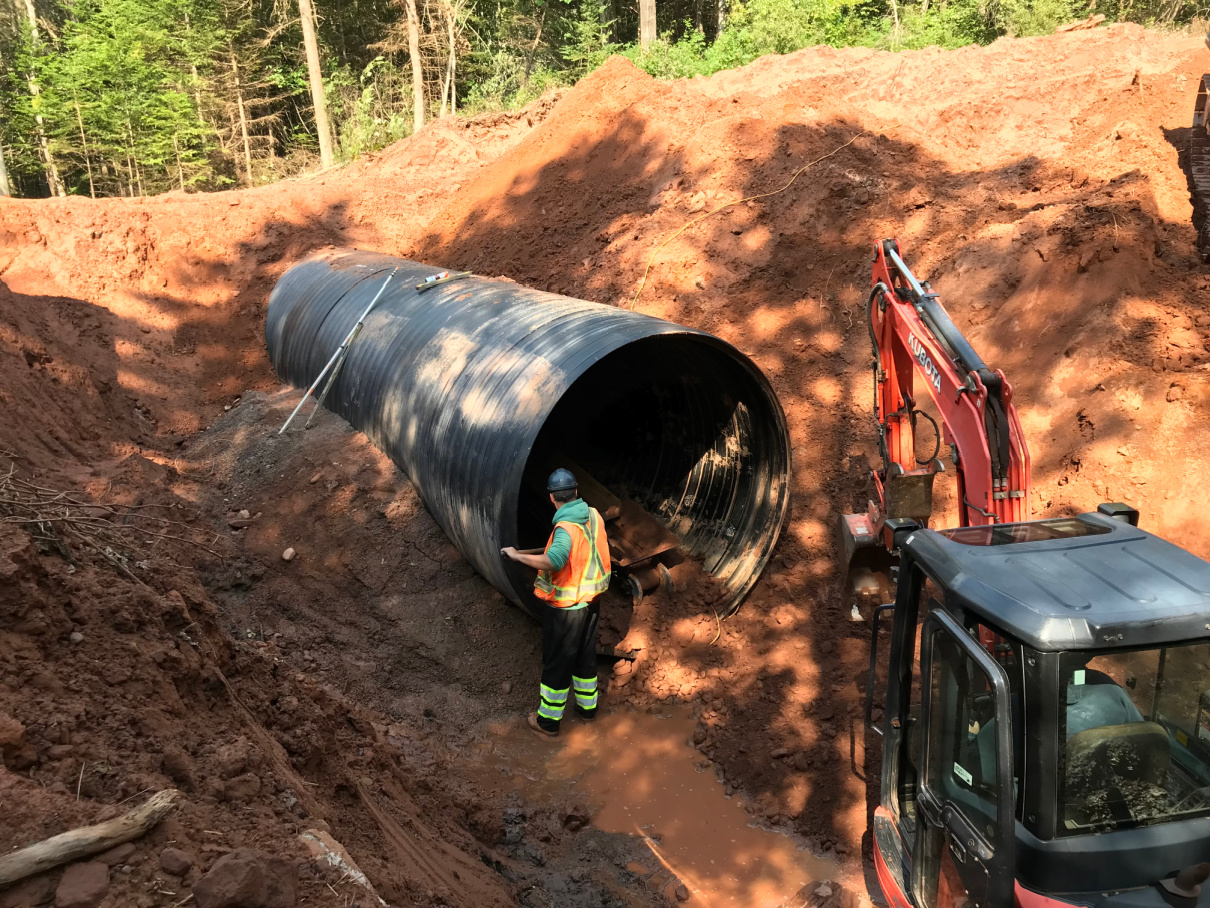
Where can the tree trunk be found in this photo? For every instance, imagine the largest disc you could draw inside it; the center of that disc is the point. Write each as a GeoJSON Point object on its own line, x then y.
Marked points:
{"type": "Point", "coordinates": [48, 162]}
{"type": "Point", "coordinates": [197, 89]}
{"type": "Point", "coordinates": [92, 190]}
{"type": "Point", "coordinates": [453, 58]}
{"type": "Point", "coordinates": [197, 92]}
{"type": "Point", "coordinates": [417, 71]}
{"type": "Point", "coordinates": [5, 190]}
{"type": "Point", "coordinates": [87, 840]}
{"type": "Point", "coordinates": [136, 178]}
{"type": "Point", "coordinates": [447, 84]}
{"type": "Point", "coordinates": [32, 15]}
{"type": "Point", "coordinates": [243, 120]}
{"type": "Point", "coordinates": [307, 14]}
{"type": "Point", "coordinates": [529, 59]}
{"type": "Point", "coordinates": [180, 173]}
{"type": "Point", "coordinates": [721, 21]}
{"type": "Point", "coordinates": [445, 87]}
{"type": "Point", "coordinates": [646, 23]}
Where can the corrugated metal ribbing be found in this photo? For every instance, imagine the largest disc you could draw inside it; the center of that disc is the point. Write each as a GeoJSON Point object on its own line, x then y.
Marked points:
{"type": "Point", "coordinates": [467, 383]}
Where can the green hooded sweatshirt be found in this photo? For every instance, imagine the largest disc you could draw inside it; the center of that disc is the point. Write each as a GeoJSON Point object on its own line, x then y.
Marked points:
{"type": "Point", "coordinates": [559, 550]}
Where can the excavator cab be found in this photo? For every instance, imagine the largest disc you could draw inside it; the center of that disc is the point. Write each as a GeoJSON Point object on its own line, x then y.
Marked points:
{"type": "Point", "coordinates": [1046, 718]}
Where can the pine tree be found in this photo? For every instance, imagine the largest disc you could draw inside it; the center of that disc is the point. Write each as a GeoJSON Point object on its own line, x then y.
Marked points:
{"type": "Point", "coordinates": [35, 93]}
{"type": "Point", "coordinates": [118, 89]}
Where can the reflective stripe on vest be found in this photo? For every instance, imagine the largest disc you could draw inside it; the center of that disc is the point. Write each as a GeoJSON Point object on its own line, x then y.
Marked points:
{"type": "Point", "coordinates": [586, 573]}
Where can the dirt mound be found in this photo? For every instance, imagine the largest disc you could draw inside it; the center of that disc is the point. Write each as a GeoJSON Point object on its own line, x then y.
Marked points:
{"type": "Point", "coordinates": [1046, 203]}
{"type": "Point", "coordinates": [180, 281]}
{"type": "Point", "coordinates": [119, 688]}
{"type": "Point", "coordinates": [60, 370]}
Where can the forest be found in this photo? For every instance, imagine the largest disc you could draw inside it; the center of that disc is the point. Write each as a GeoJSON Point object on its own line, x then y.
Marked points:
{"type": "Point", "coordinates": [137, 97]}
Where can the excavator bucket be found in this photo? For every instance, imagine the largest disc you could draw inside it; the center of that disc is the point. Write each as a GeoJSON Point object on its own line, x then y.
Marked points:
{"type": "Point", "coordinates": [867, 565]}
{"type": "Point", "coordinates": [867, 545]}
{"type": "Point", "coordinates": [1199, 166]}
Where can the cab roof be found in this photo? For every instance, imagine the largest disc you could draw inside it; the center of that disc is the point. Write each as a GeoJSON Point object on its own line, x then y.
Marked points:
{"type": "Point", "coordinates": [1083, 582]}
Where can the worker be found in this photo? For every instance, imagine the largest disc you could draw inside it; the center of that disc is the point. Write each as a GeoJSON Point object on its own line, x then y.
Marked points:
{"type": "Point", "coordinates": [573, 570]}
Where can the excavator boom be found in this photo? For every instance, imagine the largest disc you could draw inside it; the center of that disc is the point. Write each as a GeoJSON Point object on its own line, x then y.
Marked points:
{"type": "Point", "coordinates": [912, 336]}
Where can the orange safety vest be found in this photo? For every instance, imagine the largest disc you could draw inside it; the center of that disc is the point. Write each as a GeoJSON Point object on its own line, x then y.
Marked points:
{"type": "Point", "coordinates": [586, 573]}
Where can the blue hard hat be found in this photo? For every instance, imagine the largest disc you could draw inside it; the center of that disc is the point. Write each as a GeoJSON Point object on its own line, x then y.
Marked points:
{"type": "Point", "coordinates": [561, 480]}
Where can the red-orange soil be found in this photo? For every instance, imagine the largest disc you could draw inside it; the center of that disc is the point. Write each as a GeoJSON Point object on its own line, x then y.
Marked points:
{"type": "Point", "coordinates": [1038, 183]}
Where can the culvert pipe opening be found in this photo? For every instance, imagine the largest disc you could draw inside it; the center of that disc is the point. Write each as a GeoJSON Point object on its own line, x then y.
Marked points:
{"type": "Point", "coordinates": [478, 388]}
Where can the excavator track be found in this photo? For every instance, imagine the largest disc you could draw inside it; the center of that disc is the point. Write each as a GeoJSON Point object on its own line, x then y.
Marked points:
{"type": "Point", "coordinates": [1199, 166]}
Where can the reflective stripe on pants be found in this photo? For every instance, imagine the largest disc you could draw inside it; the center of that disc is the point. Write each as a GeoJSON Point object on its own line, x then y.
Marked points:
{"type": "Point", "coordinates": [586, 691]}
{"type": "Point", "coordinates": [552, 702]}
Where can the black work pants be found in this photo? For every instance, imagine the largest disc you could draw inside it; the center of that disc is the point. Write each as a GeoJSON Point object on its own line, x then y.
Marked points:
{"type": "Point", "coordinates": [569, 661]}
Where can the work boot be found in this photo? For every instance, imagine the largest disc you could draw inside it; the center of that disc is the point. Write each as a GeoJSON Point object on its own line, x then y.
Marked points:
{"type": "Point", "coordinates": [588, 715]}
{"type": "Point", "coordinates": [540, 726]}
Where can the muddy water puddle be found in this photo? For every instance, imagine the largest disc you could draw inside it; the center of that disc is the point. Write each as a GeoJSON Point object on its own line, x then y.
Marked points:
{"type": "Point", "coordinates": [639, 776]}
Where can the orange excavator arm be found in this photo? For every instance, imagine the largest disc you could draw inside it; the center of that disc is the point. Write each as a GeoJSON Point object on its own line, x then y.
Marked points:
{"type": "Point", "coordinates": [916, 345]}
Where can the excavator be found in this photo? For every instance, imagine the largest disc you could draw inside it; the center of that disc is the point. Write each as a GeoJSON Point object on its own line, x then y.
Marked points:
{"type": "Point", "coordinates": [1045, 711]}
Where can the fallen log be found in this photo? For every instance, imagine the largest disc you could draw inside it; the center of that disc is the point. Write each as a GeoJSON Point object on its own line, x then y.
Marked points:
{"type": "Point", "coordinates": [1090, 22]}
{"type": "Point", "coordinates": [87, 840]}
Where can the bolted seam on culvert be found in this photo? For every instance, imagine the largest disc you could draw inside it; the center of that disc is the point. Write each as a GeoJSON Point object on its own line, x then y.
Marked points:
{"type": "Point", "coordinates": [468, 384]}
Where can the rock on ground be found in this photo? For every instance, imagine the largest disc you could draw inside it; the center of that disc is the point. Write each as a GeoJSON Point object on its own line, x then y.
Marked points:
{"type": "Point", "coordinates": [175, 861]}
{"type": "Point", "coordinates": [82, 886]}
{"type": "Point", "coordinates": [248, 879]}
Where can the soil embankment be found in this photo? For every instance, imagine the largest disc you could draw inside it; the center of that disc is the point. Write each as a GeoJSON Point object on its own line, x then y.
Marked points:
{"type": "Point", "coordinates": [1047, 204]}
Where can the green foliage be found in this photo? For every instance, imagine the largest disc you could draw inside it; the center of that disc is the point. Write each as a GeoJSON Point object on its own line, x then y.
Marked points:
{"type": "Point", "coordinates": [17, 108]}
{"type": "Point", "coordinates": [368, 112]}
{"type": "Point", "coordinates": [668, 59]}
{"type": "Point", "coordinates": [1035, 17]}
{"type": "Point", "coordinates": [121, 101]}
{"type": "Point", "coordinates": [949, 25]}
{"type": "Point", "coordinates": [759, 27]}
{"type": "Point", "coordinates": [508, 88]}
{"type": "Point", "coordinates": [587, 42]}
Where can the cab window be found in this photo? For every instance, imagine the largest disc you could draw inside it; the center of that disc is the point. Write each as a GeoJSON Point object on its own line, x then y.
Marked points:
{"type": "Point", "coordinates": [1135, 746]}
{"type": "Point", "coordinates": [962, 762]}
{"type": "Point", "coordinates": [930, 600]}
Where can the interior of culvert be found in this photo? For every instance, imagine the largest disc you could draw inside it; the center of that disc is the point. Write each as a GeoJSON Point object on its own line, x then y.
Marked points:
{"type": "Point", "coordinates": [676, 425]}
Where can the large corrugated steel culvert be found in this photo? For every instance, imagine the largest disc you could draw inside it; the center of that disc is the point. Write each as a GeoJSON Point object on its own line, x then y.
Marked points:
{"type": "Point", "coordinates": [475, 387]}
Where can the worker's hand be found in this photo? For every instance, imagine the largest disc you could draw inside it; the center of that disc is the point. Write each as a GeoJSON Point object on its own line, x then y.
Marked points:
{"type": "Point", "coordinates": [509, 552]}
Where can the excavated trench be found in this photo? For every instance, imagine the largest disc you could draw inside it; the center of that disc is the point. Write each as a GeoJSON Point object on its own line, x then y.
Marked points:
{"type": "Point", "coordinates": [478, 388]}
{"type": "Point", "coordinates": [1048, 281]}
